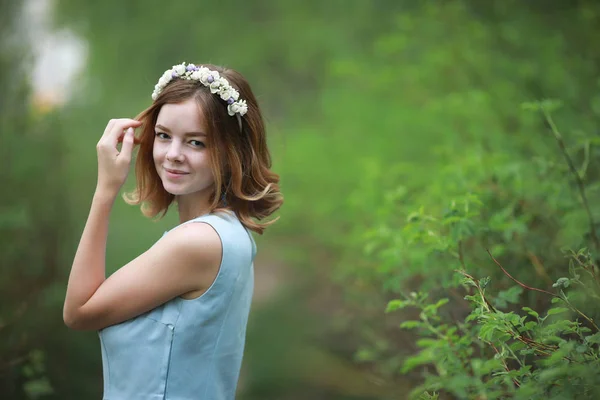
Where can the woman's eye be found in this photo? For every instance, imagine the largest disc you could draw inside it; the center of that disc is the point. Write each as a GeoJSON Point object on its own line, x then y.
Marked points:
{"type": "Point", "coordinates": [162, 135]}
{"type": "Point", "coordinates": [196, 143]}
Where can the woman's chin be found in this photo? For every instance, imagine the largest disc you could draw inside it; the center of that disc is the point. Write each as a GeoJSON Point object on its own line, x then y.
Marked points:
{"type": "Point", "coordinates": [184, 189]}
{"type": "Point", "coordinates": [173, 190]}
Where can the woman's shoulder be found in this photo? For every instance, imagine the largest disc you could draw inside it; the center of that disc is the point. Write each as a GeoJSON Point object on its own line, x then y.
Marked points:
{"type": "Point", "coordinates": [193, 236]}
{"type": "Point", "coordinates": [234, 235]}
{"type": "Point", "coordinates": [223, 220]}
{"type": "Point", "coordinates": [223, 230]}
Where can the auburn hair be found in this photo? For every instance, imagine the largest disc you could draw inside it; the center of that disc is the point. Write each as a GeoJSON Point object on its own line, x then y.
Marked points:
{"type": "Point", "coordinates": [239, 157]}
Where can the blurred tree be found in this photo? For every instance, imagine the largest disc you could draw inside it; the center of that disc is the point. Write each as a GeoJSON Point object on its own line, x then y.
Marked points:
{"type": "Point", "coordinates": [34, 221]}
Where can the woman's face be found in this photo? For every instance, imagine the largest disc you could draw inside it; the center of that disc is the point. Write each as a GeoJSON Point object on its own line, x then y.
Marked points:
{"type": "Point", "coordinates": [181, 157]}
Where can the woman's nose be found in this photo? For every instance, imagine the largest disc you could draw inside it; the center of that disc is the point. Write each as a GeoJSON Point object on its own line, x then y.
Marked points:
{"type": "Point", "coordinates": [174, 152]}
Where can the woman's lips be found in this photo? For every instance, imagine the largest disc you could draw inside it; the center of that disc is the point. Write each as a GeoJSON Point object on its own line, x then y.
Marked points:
{"type": "Point", "coordinates": [174, 174]}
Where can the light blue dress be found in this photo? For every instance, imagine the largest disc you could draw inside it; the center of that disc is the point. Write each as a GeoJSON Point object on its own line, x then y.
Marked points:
{"type": "Point", "coordinates": [187, 349]}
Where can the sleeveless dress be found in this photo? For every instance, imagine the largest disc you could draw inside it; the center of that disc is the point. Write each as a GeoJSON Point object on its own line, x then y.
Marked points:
{"type": "Point", "coordinates": [187, 349]}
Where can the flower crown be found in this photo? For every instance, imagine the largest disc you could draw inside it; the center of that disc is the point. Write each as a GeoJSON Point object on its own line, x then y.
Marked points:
{"type": "Point", "coordinates": [209, 78]}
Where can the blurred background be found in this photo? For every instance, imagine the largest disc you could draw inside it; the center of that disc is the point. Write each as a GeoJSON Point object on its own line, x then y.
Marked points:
{"type": "Point", "coordinates": [384, 117]}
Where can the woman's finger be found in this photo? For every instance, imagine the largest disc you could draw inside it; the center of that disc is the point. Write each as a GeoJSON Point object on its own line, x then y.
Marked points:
{"type": "Point", "coordinates": [117, 131]}
{"type": "Point", "coordinates": [127, 147]}
{"type": "Point", "coordinates": [108, 127]}
{"type": "Point", "coordinates": [136, 140]}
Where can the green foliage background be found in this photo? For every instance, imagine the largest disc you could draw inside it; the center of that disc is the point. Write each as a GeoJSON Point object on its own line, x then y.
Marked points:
{"type": "Point", "coordinates": [405, 151]}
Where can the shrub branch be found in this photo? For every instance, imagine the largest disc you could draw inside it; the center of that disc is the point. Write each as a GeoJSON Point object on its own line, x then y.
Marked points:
{"type": "Point", "coordinates": [580, 184]}
{"type": "Point", "coordinates": [563, 298]}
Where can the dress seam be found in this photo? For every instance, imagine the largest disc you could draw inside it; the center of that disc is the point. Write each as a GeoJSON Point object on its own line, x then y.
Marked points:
{"type": "Point", "coordinates": [180, 307]}
{"type": "Point", "coordinates": [107, 383]}
{"type": "Point", "coordinates": [211, 373]}
{"type": "Point", "coordinates": [169, 364]}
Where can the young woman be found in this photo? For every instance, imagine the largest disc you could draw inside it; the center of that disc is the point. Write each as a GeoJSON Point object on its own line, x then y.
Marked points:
{"type": "Point", "coordinates": [172, 322]}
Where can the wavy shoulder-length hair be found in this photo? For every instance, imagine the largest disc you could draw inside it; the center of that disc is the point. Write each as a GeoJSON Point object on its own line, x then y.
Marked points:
{"type": "Point", "coordinates": [239, 157]}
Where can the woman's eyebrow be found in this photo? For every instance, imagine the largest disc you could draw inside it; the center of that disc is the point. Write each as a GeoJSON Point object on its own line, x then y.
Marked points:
{"type": "Point", "coordinates": [164, 128]}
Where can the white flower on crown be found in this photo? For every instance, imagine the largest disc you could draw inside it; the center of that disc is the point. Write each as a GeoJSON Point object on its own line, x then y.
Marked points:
{"type": "Point", "coordinates": [216, 83]}
{"type": "Point", "coordinates": [196, 75]}
{"type": "Point", "coordinates": [227, 92]}
{"type": "Point", "coordinates": [208, 76]}
{"type": "Point", "coordinates": [202, 74]}
{"type": "Point", "coordinates": [239, 107]}
{"type": "Point", "coordinates": [165, 78]}
{"type": "Point", "coordinates": [179, 69]}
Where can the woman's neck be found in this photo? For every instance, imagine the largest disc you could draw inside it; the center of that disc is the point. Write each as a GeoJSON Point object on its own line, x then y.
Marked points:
{"type": "Point", "coordinates": [193, 205]}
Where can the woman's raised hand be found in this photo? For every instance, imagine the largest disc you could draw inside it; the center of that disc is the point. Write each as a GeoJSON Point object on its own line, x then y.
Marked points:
{"type": "Point", "coordinates": [113, 165]}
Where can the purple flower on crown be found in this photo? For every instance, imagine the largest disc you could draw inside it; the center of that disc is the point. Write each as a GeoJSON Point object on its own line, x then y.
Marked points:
{"type": "Point", "coordinates": [190, 67]}
{"type": "Point", "coordinates": [231, 100]}
{"type": "Point", "coordinates": [174, 74]}
{"type": "Point", "coordinates": [210, 79]}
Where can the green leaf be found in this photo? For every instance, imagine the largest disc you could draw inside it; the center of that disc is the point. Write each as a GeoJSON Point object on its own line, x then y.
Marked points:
{"type": "Point", "coordinates": [511, 295]}
{"type": "Point", "coordinates": [428, 342]}
{"type": "Point", "coordinates": [365, 355]}
{"type": "Point", "coordinates": [530, 325]}
{"type": "Point", "coordinates": [424, 357]}
{"type": "Point", "coordinates": [562, 283]}
{"type": "Point", "coordinates": [394, 305]}
{"type": "Point", "coordinates": [428, 396]}
{"type": "Point", "coordinates": [484, 282]}
{"type": "Point", "coordinates": [410, 324]}
{"type": "Point", "coordinates": [594, 339]}
{"type": "Point", "coordinates": [530, 106]}
{"type": "Point", "coordinates": [557, 310]}
{"type": "Point", "coordinates": [531, 312]}
{"type": "Point", "coordinates": [38, 388]}
{"type": "Point", "coordinates": [550, 105]}
{"type": "Point", "coordinates": [441, 302]}
{"type": "Point", "coordinates": [582, 348]}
